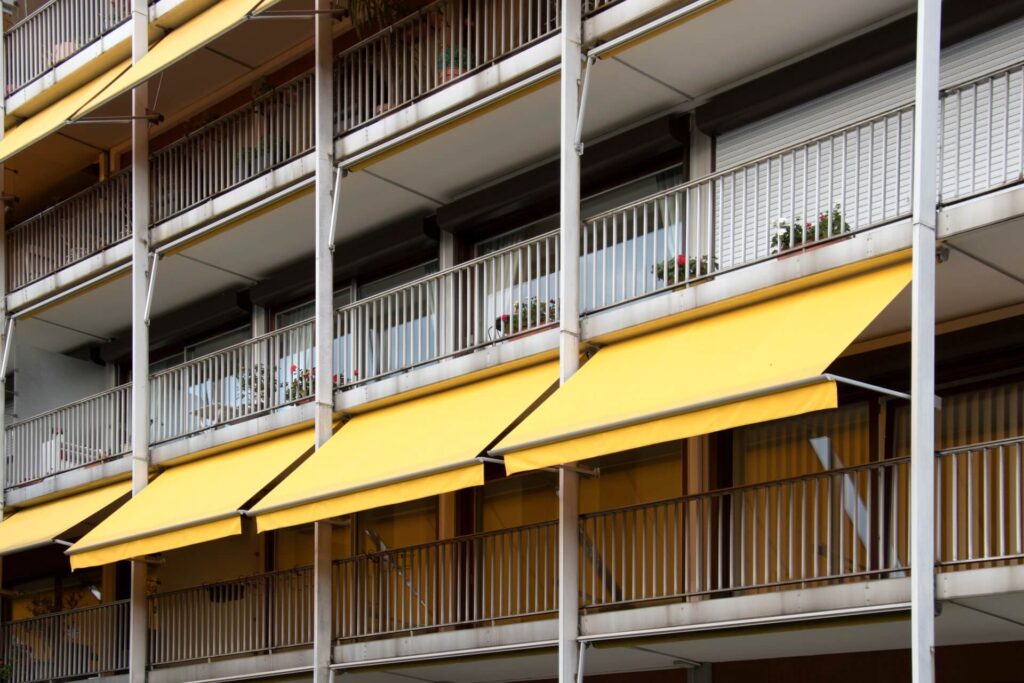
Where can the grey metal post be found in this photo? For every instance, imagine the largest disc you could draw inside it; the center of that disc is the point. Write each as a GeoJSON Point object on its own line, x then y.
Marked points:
{"type": "Point", "coordinates": [922, 342]}
{"type": "Point", "coordinates": [324, 327]}
{"type": "Point", "coordinates": [569, 335]}
{"type": "Point", "coordinates": [137, 655]}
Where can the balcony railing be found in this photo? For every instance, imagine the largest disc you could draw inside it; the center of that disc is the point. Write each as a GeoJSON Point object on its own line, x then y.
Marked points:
{"type": "Point", "coordinates": [513, 291]}
{"type": "Point", "coordinates": [439, 44]}
{"type": "Point", "coordinates": [271, 131]}
{"type": "Point", "coordinates": [79, 643]}
{"type": "Point", "coordinates": [241, 381]}
{"type": "Point", "coordinates": [54, 33]}
{"type": "Point", "coordinates": [841, 524]}
{"type": "Point", "coordinates": [255, 614]}
{"type": "Point", "coordinates": [76, 228]}
{"type": "Point", "coordinates": [484, 578]}
{"type": "Point", "coordinates": [835, 526]}
{"type": "Point", "coordinates": [81, 433]}
{"type": "Point", "coordinates": [979, 494]}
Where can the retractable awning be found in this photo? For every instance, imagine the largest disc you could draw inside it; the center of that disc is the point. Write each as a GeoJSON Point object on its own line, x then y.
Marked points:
{"type": "Point", "coordinates": [418, 448]}
{"type": "Point", "coordinates": [221, 17]}
{"type": "Point", "coordinates": [191, 503]}
{"type": "Point", "coordinates": [752, 364]}
{"type": "Point", "coordinates": [44, 524]}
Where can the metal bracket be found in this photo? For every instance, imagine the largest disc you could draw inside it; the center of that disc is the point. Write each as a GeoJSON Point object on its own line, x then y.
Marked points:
{"type": "Point", "coordinates": [155, 259]}
{"type": "Point", "coordinates": [578, 140]}
{"type": "Point", "coordinates": [8, 340]}
{"type": "Point", "coordinates": [152, 118]}
{"type": "Point", "coordinates": [339, 173]}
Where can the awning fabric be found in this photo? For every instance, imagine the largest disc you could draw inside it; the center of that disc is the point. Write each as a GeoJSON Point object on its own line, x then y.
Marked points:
{"type": "Point", "coordinates": [418, 448]}
{"type": "Point", "coordinates": [703, 376]}
{"type": "Point", "coordinates": [41, 524]}
{"type": "Point", "coordinates": [191, 503]}
{"type": "Point", "coordinates": [221, 17]}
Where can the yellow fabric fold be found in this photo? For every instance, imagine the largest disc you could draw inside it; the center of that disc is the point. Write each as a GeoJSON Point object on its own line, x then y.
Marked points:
{"type": "Point", "coordinates": [418, 448]}
{"type": "Point", "coordinates": [41, 524]}
{"type": "Point", "coordinates": [613, 402]}
{"type": "Point", "coordinates": [191, 503]}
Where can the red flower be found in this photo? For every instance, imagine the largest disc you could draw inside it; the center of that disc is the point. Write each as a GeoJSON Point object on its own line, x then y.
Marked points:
{"type": "Point", "coordinates": [681, 260]}
{"type": "Point", "coordinates": [294, 367]}
{"type": "Point", "coordinates": [355, 373]}
{"type": "Point", "coordinates": [334, 379]}
{"type": "Point", "coordinates": [504, 317]}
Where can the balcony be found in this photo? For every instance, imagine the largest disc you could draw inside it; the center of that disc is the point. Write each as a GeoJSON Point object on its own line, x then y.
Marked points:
{"type": "Point", "coordinates": [823, 190]}
{"type": "Point", "coordinates": [825, 528]}
{"type": "Point", "coordinates": [78, 643]}
{"type": "Point", "coordinates": [54, 33]}
{"type": "Point", "coordinates": [379, 75]}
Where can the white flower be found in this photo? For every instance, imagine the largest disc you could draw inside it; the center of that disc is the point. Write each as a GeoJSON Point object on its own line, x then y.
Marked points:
{"type": "Point", "coordinates": [782, 231]}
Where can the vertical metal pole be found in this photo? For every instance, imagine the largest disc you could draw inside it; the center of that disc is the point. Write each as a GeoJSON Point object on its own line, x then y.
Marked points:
{"type": "Point", "coordinates": [569, 336]}
{"type": "Point", "coordinates": [324, 326]}
{"type": "Point", "coordinates": [447, 306]}
{"type": "Point", "coordinates": [3, 282]}
{"type": "Point", "coordinates": [137, 655]}
{"type": "Point", "coordinates": [922, 342]}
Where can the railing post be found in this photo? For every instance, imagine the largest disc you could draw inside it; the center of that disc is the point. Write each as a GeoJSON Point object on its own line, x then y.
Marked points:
{"type": "Point", "coordinates": [324, 322]}
{"type": "Point", "coordinates": [138, 632]}
{"type": "Point", "coordinates": [569, 334]}
{"type": "Point", "coordinates": [922, 341]}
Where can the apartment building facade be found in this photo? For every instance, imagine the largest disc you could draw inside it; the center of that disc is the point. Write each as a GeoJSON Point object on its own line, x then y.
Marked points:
{"type": "Point", "coordinates": [512, 340]}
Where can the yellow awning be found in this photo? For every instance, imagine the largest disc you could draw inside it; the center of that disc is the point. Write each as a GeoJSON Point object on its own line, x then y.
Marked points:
{"type": "Point", "coordinates": [191, 503]}
{"type": "Point", "coordinates": [752, 364]}
{"type": "Point", "coordinates": [419, 448]}
{"type": "Point", "coordinates": [221, 17]}
{"type": "Point", "coordinates": [42, 524]}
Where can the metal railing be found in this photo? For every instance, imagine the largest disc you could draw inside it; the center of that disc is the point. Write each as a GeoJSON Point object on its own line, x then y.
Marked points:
{"type": "Point", "coordinates": [513, 291]}
{"type": "Point", "coordinates": [76, 228]}
{"type": "Point", "coordinates": [87, 431]}
{"type": "Point", "coordinates": [431, 48]}
{"type": "Point", "coordinates": [77, 643]}
{"type": "Point", "coordinates": [54, 33]}
{"type": "Point", "coordinates": [247, 379]}
{"type": "Point", "coordinates": [982, 124]}
{"type": "Point", "coordinates": [855, 178]}
{"type": "Point", "coordinates": [274, 129]}
{"type": "Point", "coordinates": [483, 578]}
{"type": "Point", "coordinates": [254, 614]}
{"type": "Point", "coordinates": [834, 525]}
{"type": "Point", "coordinates": [979, 497]}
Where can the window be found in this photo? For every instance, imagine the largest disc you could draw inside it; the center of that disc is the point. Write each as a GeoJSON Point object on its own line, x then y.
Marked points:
{"type": "Point", "coordinates": [306, 310]}
{"type": "Point", "coordinates": [589, 206]}
{"type": "Point", "coordinates": [815, 442]}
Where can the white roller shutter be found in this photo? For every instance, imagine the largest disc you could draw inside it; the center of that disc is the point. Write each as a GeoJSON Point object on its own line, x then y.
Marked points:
{"type": "Point", "coordinates": [970, 59]}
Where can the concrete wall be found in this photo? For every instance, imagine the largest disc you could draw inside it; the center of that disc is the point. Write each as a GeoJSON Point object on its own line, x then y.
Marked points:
{"type": "Point", "coordinates": [45, 380]}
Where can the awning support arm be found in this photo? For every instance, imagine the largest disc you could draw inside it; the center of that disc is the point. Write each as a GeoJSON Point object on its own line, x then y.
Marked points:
{"type": "Point", "coordinates": [339, 173]}
{"type": "Point", "coordinates": [8, 341]}
{"type": "Point", "coordinates": [154, 260]}
{"type": "Point", "coordinates": [583, 104]}
{"type": "Point", "coordinates": [582, 470]}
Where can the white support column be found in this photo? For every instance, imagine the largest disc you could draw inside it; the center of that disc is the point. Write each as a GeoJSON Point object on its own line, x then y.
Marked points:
{"type": "Point", "coordinates": [138, 636]}
{"type": "Point", "coordinates": [3, 281]}
{"type": "Point", "coordinates": [324, 324]}
{"type": "Point", "coordinates": [569, 336]}
{"type": "Point", "coordinates": [922, 343]}
{"type": "Point", "coordinates": [447, 245]}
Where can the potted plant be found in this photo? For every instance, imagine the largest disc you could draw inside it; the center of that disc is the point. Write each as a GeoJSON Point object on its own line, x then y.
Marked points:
{"type": "Point", "coordinates": [452, 63]}
{"type": "Point", "coordinates": [683, 267]}
{"type": "Point", "coordinates": [786, 236]}
{"type": "Point", "coordinates": [526, 316]}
